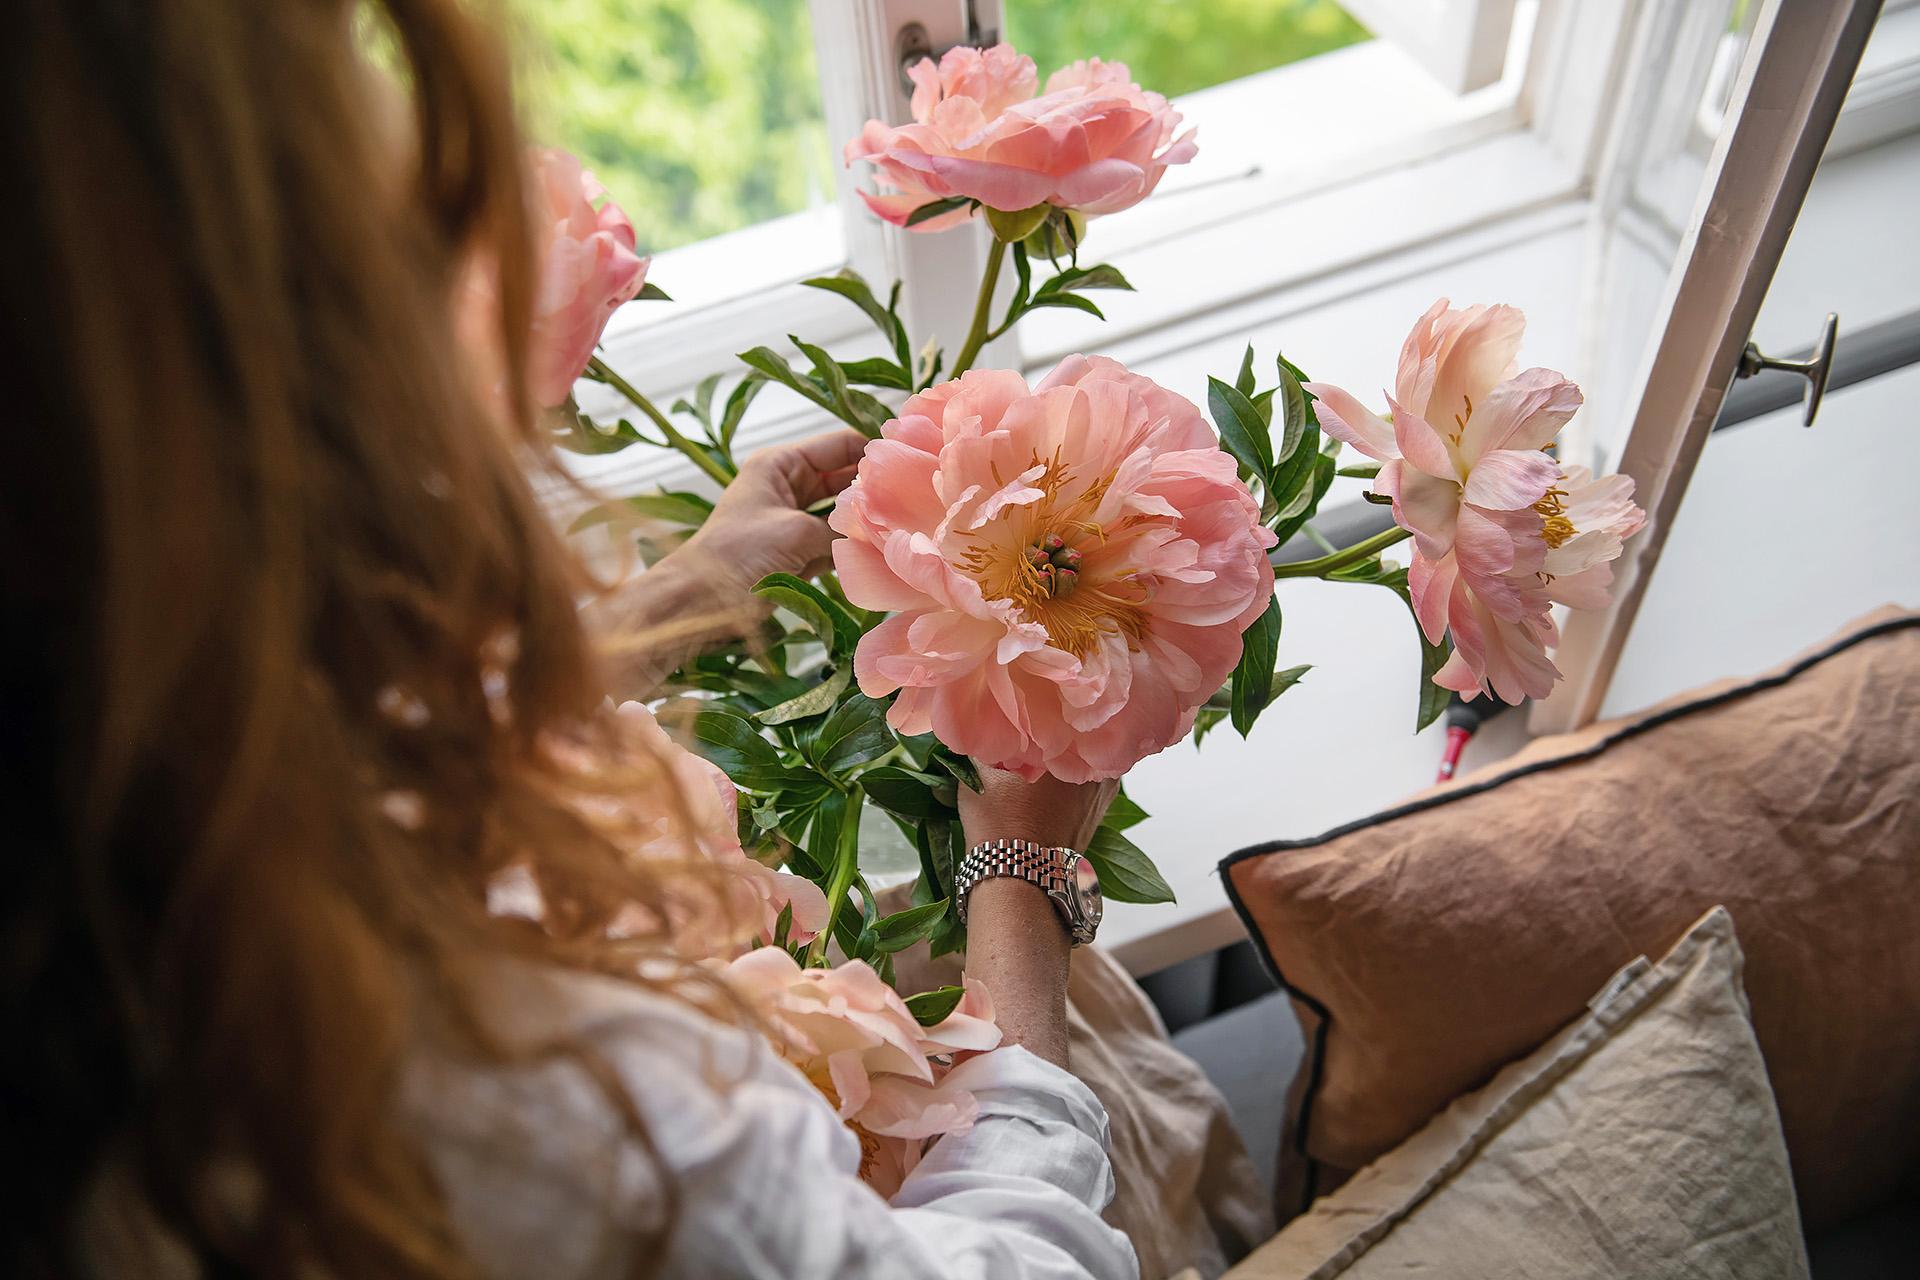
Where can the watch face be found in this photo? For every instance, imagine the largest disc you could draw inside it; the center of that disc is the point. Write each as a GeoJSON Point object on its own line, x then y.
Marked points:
{"type": "Point", "coordinates": [1086, 887]}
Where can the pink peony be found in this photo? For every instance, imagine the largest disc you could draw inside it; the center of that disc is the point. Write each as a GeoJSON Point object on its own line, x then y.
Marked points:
{"type": "Point", "coordinates": [891, 1080]}
{"type": "Point", "coordinates": [1094, 141]}
{"type": "Point", "coordinates": [588, 268]}
{"type": "Point", "coordinates": [705, 801]}
{"type": "Point", "coordinates": [1070, 568]}
{"type": "Point", "coordinates": [1501, 531]}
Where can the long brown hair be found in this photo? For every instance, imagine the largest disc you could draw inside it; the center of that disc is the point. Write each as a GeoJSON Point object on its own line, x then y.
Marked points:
{"type": "Point", "coordinates": [292, 640]}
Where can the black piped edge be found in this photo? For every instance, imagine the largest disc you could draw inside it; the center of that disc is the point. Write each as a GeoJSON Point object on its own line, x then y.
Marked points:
{"type": "Point", "coordinates": [1317, 1054]}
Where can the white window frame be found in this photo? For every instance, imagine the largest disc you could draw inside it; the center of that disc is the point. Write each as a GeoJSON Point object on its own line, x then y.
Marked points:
{"type": "Point", "coordinates": [1384, 162]}
{"type": "Point", "coordinates": [1461, 43]}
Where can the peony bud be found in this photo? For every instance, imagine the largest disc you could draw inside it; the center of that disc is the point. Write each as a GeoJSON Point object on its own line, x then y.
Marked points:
{"type": "Point", "coordinates": [1066, 559]}
{"type": "Point", "coordinates": [1052, 542]}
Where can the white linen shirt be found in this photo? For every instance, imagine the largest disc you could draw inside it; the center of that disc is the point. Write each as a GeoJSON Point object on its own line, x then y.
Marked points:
{"type": "Point", "coordinates": [544, 1180]}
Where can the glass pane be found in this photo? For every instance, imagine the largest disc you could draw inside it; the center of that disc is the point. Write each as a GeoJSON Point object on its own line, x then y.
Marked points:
{"type": "Point", "coordinates": [699, 116]}
{"type": "Point", "coordinates": [1177, 46]}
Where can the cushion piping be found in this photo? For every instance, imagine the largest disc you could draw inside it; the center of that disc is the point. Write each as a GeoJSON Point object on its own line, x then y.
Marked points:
{"type": "Point", "coordinates": [1323, 1016]}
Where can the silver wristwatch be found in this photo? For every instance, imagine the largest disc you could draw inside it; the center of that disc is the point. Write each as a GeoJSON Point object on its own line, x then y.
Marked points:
{"type": "Point", "coordinates": [1068, 878]}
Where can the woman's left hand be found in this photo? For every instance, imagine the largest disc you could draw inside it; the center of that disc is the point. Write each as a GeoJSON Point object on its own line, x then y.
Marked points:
{"type": "Point", "coordinates": [702, 592]}
{"type": "Point", "coordinates": [760, 524]}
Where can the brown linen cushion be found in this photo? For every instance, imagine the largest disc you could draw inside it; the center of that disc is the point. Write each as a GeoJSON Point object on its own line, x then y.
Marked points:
{"type": "Point", "coordinates": [1428, 945]}
{"type": "Point", "coordinates": [1641, 1140]}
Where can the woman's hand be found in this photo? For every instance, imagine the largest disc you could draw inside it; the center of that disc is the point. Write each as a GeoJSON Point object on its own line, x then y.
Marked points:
{"type": "Point", "coordinates": [701, 593]}
{"type": "Point", "coordinates": [760, 524]}
{"type": "Point", "coordinates": [1048, 812]}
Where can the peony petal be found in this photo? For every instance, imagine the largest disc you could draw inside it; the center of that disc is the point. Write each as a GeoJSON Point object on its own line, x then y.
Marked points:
{"type": "Point", "coordinates": [1524, 412]}
{"type": "Point", "coordinates": [1420, 444]}
{"type": "Point", "coordinates": [1346, 419]}
{"type": "Point", "coordinates": [1426, 507]}
{"type": "Point", "coordinates": [1508, 480]}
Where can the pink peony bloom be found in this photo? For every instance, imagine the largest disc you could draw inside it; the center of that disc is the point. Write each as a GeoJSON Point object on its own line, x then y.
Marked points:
{"type": "Point", "coordinates": [1501, 531]}
{"type": "Point", "coordinates": [588, 268]}
{"type": "Point", "coordinates": [891, 1080]}
{"type": "Point", "coordinates": [706, 802]}
{"type": "Point", "coordinates": [1094, 141]}
{"type": "Point", "coordinates": [1070, 568]}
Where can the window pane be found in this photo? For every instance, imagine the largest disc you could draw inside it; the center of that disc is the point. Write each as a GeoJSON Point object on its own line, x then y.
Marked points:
{"type": "Point", "coordinates": [699, 116]}
{"type": "Point", "coordinates": [1177, 46]}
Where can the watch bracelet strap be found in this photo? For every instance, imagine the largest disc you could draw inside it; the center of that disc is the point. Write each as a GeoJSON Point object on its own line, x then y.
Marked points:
{"type": "Point", "coordinates": [1035, 863]}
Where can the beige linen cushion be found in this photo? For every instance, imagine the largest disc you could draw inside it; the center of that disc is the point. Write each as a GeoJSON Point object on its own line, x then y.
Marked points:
{"type": "Point", "coordinates": [1429, 945]}
{"type": "Point", "coordinates": [1640, 1141]}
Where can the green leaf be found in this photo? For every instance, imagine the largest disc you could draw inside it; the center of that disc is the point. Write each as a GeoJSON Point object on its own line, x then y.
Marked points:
{"type": "Point", "coordinates": [958, 765]}
{"type": "Point", "coordinates": [1242, 431]}
{"type": "Point", "coordinates": [1206, 721]}
{"type": "Point", "coordinates": [1126, 874]}
{"type": "Point", "coordinates": [813, 702]}
{"type": "Point", "coordinates": [934, 838]}
{"type": "Point", "coordinates": [850, 285]}
{"type": "Point", "coordinates": [1301, 443]}
{"type": "Point", "coordinates": [737, 407]}
{"type": "Point", "coordinates": [931, 1007]}
{"type": "Point", "coordinates": [906, 792]}
{"type": "Point", "coordinates": [1244, 382]}
{"type": "Point", "coordinates": [1123, 812]}
{"type": "Point", "coordinates": [736, 746]}
{"type": "Point", "coordinates": [689, 509]}
{"type": "Point", "coordinates": [1296, 514]}
{"type": "Point", "coordinates": [855, 733]}
{"type": "Point", "coordinates": [1253, 678]}
{"type": "Point", "coordinates": [902, 929]}
{"type": "Point", "coordinates": [1100, 276]}
{"type": "Point", "coordinates": [1285, 680]}
{"type": "Point", "coordinates": [935, 208]}
{"type": "Point", "coordinates": [822, 614]}
{"type": "Point", "coordinates": [1072, 300]}
{"type": "Point", "coordinates": [590, 437]}
{"type": "Point", "coordinates": [651, 292]}
{"type": "Point", "coordinates": [774, 365]}
{"type": "Point", "coordinates": [873, 414]}
{"type": "Point", "coordinates": [1361, 471]}
{"type": "Point", "coordinates": [1293, 415]}
{"type": "Point", "coordinates": [701, 408]}
{"type": "Point", "coordinates": [878, 373]}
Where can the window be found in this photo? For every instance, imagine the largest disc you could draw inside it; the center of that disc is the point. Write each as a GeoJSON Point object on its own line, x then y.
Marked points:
{"type": "Point", "coordinates": [1177, 47]}
{"type": "Point", "coordinates": [647, 91]}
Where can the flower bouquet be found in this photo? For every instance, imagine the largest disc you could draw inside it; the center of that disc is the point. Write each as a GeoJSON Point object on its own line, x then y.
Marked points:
{"type": "Point", "coordinates": [1061, 577]}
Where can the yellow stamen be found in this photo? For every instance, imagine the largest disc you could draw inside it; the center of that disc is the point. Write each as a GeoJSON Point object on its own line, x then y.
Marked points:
{"type": "Point", "coordinates": [1557, 528]}
{"type": "Point", "coordinates": [1460, 421]}
{"type": "Point", "coordinates": [1111, 605]}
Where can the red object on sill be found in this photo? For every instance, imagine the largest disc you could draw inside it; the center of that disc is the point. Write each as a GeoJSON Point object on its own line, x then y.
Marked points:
{"type": "Point", "coordinates": [1457, 737]}
{"type": "Point", "coordinates": [1463, 721]}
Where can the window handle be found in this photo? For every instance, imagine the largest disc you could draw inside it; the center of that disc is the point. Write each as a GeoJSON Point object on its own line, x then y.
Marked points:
{"type": "Point", "coordinates": [1815, 367]}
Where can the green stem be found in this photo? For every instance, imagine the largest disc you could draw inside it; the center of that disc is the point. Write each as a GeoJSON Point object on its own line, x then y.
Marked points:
{"type": "Point", "coordinates": [846, 868]}
{"type": "Point", "coordinates": [1354, 554]}
{"type": "Point", "coordinates": [982, 311]}
{"type": "Point", "coordinates": [701, 458]}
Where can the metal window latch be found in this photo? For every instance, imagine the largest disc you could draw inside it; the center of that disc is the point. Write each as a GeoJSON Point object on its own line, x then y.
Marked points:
{"type": "Point", "coordinates": [1815, 368]}
{"type": "Point", "coordinates": [912, 43]}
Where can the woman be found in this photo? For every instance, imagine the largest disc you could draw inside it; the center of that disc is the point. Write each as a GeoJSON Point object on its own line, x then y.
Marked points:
{"type": "Point", "coordinates": [299, 670]}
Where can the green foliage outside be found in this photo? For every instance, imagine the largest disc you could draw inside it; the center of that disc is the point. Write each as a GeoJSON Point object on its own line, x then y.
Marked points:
{"type": "Point", "coordinates": [703, 116]}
